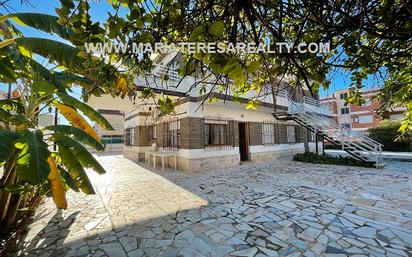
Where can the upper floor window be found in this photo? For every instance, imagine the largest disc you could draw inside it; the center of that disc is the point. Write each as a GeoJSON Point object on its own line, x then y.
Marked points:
{"type": "Point", "coordinates": [268, 134]}
{"type": "Point", "coordinates": [366, 119]}
{"type": "Point", "coordinates": [368, 102]}
{"type": "Point", "coordinates": [291, 134]}
{"type": "Point", "coordinates": [344, 110]}
{"type": "Point", "coordinates": [343, 96]}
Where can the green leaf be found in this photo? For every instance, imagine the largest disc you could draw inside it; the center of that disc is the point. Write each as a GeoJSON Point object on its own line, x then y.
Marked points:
{"type": "Point", "coordinates": [7, 139]}
{"type": "Point", "coordinates": [61, 53]}
{"type": "Point", "coordinates": [11, 105]}
{"type": "Point", "coordinates": [86, 110]}
{"type": "Point", "coordinates": [47, 75]}
{"type": "Point", "coordinates": [31, 164]}
{"type": "Point", "coordinates": [43, 87]}
{"type": "Point", "coordinates": [68, 179]}
{"type": "Point", "coordinates": [14, 189]}
{"type": "Point", "coordinates": [253, 66]}
{"type": "Point", "coordinates": [79, 151]}
{"type": "Point", "coordinates": [78, 134]}
{"type": "Point", "coordinates": [44, 22]}
{"type": "Point", "coordinates": [76, 171]}
{"type": "Point", "coordinates": [217, 28]}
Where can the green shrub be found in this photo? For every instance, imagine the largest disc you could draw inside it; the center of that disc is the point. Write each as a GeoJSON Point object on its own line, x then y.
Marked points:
{"type": "Point", "coordinates": [387, 134]}
{"type": "Point", "coordinates": [328, 159]}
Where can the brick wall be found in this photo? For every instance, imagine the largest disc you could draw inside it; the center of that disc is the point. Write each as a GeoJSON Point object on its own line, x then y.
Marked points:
{"type": "Point", "coordinates": [192, 133]}
{"type": "Point", "coordinates": [161, 137]}
{"type": "Point", "coordinates": [141, 136]}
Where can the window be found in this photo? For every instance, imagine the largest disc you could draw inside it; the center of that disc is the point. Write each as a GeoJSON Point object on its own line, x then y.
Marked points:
{"type": "Point", "coordinates": [129, 136]}
{"type": "Point", "coordinates": [344, 110]}
{"type": "Point", "coordinates": [291, 134]}
{"type": "Point", "coordinates": [112, 139]}
{"type": "Point", "coordinates": [172, 140]}
{"type": "Point", "coordinates": [343, 96]}
{"type": "Point", "coordinates": [312, 136]}
{"type": "Point", "coordinates": [268, 135]}
{"type": "Point", "coordinates": [368, 102]}
{"type": "Point", "coordinates": [217, 133]}
{"type": "Point", "coordinates": [152, 132]}
{"type": "Point", "coordinates": [366, 119]}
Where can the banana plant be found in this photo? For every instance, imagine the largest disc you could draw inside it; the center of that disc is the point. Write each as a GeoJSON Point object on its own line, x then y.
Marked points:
{"type": "Point", "coordinates": [51, 160]}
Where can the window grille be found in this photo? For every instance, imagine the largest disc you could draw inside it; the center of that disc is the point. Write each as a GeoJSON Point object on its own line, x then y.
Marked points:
{"type": "Point", "coordinates": [344, 110]}
{"type": "Point", "coordinates": [312, 136]}
{"type": "Point", "coordinates": [171, 137]}
{"type": "Point", "coordinates": [291, 134]}
{"type": "Point", "coordinates": [268, 133]}
{"type": "Point", "coordinates": [152, 132]}
{"type": "Point", "coordinates": [130, 140]}
{"type": "Point", "coordinates": [218, 133]}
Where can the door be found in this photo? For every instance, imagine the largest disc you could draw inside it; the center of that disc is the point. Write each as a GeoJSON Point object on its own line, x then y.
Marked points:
{"type": "Point", "coordinates": [243, 142]}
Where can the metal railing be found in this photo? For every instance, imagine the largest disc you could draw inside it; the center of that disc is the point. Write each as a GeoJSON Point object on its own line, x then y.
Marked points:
{"type": "Point", "coordinates": [311, 113]}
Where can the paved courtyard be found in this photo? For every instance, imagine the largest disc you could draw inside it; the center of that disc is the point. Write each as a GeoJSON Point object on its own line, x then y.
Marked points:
{"type": "Point", "coordinates": [282, 208]}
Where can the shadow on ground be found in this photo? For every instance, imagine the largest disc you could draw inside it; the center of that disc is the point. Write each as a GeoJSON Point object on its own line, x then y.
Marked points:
{"type": "Point", "coordinates": [282, 208]}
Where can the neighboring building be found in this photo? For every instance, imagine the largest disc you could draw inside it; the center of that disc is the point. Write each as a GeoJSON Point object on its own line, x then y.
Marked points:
{"type": "Point", "coordinates": [359, 118]}
{"type": "Point", "coordinates": [113, 110]}
{"type": "Point", "coordinates": [47, 119]}
{"type": "Point", "coordinates": [212, 135]}
{"type": "Point", "coordinates": [3, 94]}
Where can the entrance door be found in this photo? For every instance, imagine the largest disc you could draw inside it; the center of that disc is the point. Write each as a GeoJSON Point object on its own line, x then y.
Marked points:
{"type": "Point", "coordinates": [243, 142]}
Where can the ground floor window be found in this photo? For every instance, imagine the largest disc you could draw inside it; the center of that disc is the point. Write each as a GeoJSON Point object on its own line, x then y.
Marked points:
{"type": "Point", "coordinates": [268, 133]}
{"type": "Point", "coordinates": [291, 134]}
{"type": "Point", "coordinates": [218, 133]}
{"type": "Point", "coordinates": [152, 132]}
{"type": "Point", "coordinates": [312, 136]}
{"type": "Point", "coordinates": [112, 139]}
{"type": "Point", "coordinates": [129, 138]}
{"type": "Point", "coordinates": [172, 140]}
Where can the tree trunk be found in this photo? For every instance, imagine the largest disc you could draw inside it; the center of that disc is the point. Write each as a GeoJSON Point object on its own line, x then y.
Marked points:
{"type": "Point", "coordinates": [10, 218]}
{"type": "Point", "coordinates": [305, 140]}
{"type": "Point", "coordinates": [4, 196]}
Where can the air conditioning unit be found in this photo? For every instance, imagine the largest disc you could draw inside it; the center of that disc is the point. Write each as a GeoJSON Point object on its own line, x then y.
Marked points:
{"type": "Point", "coordinates": [356, 119]}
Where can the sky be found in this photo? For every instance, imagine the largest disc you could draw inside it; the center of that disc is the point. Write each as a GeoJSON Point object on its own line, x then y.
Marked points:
{"type": "Point", "coordinates": [99, 12]}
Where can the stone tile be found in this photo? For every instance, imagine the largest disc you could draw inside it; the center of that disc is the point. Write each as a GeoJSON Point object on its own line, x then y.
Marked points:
{"type": "Point", "coordinates": [367, 232]}
{"type": "Point", "coordinates": [113, 250]}
{"type": "Point", "coordinates": [280, 208]}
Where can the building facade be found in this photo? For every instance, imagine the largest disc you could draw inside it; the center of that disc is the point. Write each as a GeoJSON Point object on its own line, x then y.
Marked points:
{"type": "Point", "coordinates": [113, 110]}
{"type": "Point", "coordinates": [358, 118]}
{"type": "Point", "coordinates": [219, 135]}
{"type": "Point", "coordinates": [210, 135]}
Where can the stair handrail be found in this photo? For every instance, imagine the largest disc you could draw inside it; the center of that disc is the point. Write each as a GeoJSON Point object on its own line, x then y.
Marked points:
{"type": "Point", "coordinates": [340, 132]}
{"type": "Point", "coordinates": [317, 103]}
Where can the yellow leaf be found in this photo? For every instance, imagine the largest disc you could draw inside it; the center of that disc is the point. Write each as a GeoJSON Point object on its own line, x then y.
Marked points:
{"type": "Point", "coordinates": [77, 120]}
{"type": "Point", "coordinates": [121, 85]}
{"type": "Point", "coordinates": [18, 21]}
{"type": "Point", "coordinates": [57, 188]}
{"type": "Point", "coordinates": [24, 51]}
{"type": "Point", "coordinates": [7, 42]}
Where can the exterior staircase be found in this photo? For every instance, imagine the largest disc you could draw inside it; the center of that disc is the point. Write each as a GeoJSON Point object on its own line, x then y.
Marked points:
{"type": "Point", "coordinates": [316, 117]}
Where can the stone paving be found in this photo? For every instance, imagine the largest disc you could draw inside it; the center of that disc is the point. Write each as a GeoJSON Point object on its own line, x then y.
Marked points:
{"type": "Point", "coordinates": [283, 208]}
